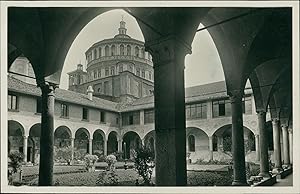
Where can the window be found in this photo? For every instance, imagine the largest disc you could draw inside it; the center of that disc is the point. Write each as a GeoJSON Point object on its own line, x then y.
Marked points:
{"type": "Point", "coordinates": [149, 116]}
{"type": "Point", "coordinates": [12, 102]}
{"type": "Point", "coordinates": [64, 110]}
{"type": "Point", "coordinates": [136, 51]}
{"type": "Point", "coordinates": [106, 88]}
{"type": "Point", "coordinates": [128, 50]}
{"type": "Point", "coordinates": [120, 68]}
{"type": "Point", "coordinates": [100, 52]}
{"type": "Point", "coordinates": [143, 53]}
{"type": "Point", "coordinates": [106, 50]}
{"type": "Point", "coordinates": [138, 72]}
{"type": "Point", "coordinates": [112, 71]}
{"type": "Point", "coordinates": [95, 74]}
{"type": "Point", "coordinates": [113, 50]}
{"type": "Point", "coordinates": [221, 108]}
{"type": "Point", "coordinates": [150, 75]}
{"type": "Point", "coordinates": [85, 114]}
{"type": "Point", "coordinates": [191, 141]}
{"type": "Point", "coordinates": [95, 54]}
{"type": "Point", "coordinates": [106, 71]}
{"type": "Point", "coordinates": [143, 73]}
{"type": "Point", "coordinates": [121, 49]}
{"type": "Point", "coordinates": [102, 117]}
{"type": "Point", "coordinates": [38, 105]}
{"type": "Point", "coordinates": [193, 111]}
{"type": "Point", "coordinates": [131, 118]}
{"type": "Point", "coordinates": [99, 72]}
{"type": "Point", "coordinates": [130, 68]}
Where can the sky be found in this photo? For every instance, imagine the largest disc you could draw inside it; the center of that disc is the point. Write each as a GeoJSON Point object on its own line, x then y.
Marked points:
{"type": "Point", "coordinates": [201, 67]}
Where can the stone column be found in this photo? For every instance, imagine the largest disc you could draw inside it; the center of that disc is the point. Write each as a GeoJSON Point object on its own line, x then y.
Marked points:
{"type": "Point", "coordinates": [263, 142]}
{"type": "Point", "coordinates": [120, 145]}
{"type": "Point", "coordinates": [257, 146]}
{"type": "Point", "coordinates": [285, 140]}
{"type": "Point", "coordinates": [277, 146]}
{"type": "Point", "coordinates": [47, 135]}
{"type": "Point", "coordinates": [72, 147]}
{"type": "Point", "coordinates": [238, 149]}
{"type": "Point", "coordinates": [169, 99]}
{"type": "Point", "coordinates": [291, 145]}
{"type": "Point", "coordinates": [25, 140]}
{"type": "Point", "coordinates": [211, 150]}
{"type": "Point", "coordinates": [220, 143]}
{"type": "Point", "coordinates": [90, 146]}
{"type": "Point", "coordinates": [105, 147]}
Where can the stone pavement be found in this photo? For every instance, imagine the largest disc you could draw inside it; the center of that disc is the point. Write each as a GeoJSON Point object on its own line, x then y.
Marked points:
{"type": "Point", "coordinates": [287, 181]}
{"type": "Point", "coordinates": [196, 167]}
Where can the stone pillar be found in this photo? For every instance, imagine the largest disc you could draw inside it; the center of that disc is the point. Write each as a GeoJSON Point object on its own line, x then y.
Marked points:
{"type": "Point", "coordinates": [211, 150]}
{"type": "Point", "coordinates": [72, 152]}
{"type": "Point", "coordinates": [257, 146]}
{"type": "Point", "coordinates": [47, 135]}
{"type": "Point", "coordinates": [105, 147]}
{"type": "Point", "coordinates": [143, 142]}
{"type": "Point", "coordinates": [120, 145]}
{"type": "Point", "coordinates": [277, 146]}
{"type": "Point", "coordinates": [25, 140]}
{"type": "Point", "coordinates": [285, 140]}
{"type": "Point", "coordinates": [238, 149]}
{"type": "Point", "coordinates": [263, 142]}
{"type": "Point", "coordinates": [209, 109]}
{"type": "Point", "coordinates": [90, 146]}
{"type": "Point", "coordinates": [220, 143]}
{"type": "Point", "coordinates": [291, 145]}
{"type": "Point", "coordinates": [169, 99]}
{"type": "Point", "coordinates": [142, 121]}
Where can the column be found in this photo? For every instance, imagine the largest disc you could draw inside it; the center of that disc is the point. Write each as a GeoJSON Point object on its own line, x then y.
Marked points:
{"type": "Point", "coordinates": [285, 140]}
{"type": "Point", "coordinates": [25, 140]}
{"type": "Point", "coordinates": [142, 121]}
{"type": "Point", "coordinates": [277, 146]}
{"type": "Point", "coordinates": [220, 143]}
{"type": "Point", "coordinates": [291, 145]}
{"type": "Point", "coordinates": [238, 149]}
{"type": "Point", "coordinates": [211, 151]}
{"type": "Point", "coordinates": [105, 147]}
{"type": "Point", "coordinates": [47, 135]}
{"type": "Point", "coordinates": [257, 146]}
{"type": "Point", "coordinates": [120, 145]}
{"type": "Point", "coordinates": [263, 142]}
{"type": "Point", "coordinates": [143, 142]}
{"type": "Point", "coordinates": [72, 147]}
{"type": "Point", "coordinates": [90, 146]}
{"type": "Point", "coordinates": [169, 99]}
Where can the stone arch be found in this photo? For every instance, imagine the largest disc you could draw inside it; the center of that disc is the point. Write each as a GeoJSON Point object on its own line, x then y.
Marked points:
{"type": "Point", "coordinates": [128, 49]}
{"type": "Point", "coordinates": [100, 51]}
{"type": "Point", "coordinates": [122, 49]}
{"type": "Point", "coordinates": [131, 142]}
{"type": "Point", "coordinates": [106, 50]}
{"type": "Point", "coordinates": [15, 136]}
{"type": "Point", "coordinates": [99, 141]}
{"type": "Point", "coordinates": [113, 50]}
{"type": "Point", "coordinates": [62, 136]}
{"type": "Point", "coordinates": [149, 140]}
{"type": "Point", "coordinates": [34, 143]}
{"type": "Point", "coordinates": [136, 51]}
{"type": "Point", "coordinates": [81, 142]}
{"type": "Point", "coordinates": [112, 142]}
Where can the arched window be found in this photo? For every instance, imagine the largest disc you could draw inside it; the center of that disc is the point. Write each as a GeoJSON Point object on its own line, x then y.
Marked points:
{"type": "Point", "coordinates": [136, 51]}
{"type": "Point", "coordinates": [121, 49]}
{"type": "Point", "coordinates": [191, 142]}
{"type": "Point", "coordinates": [112, 70]}
{"type": "Point", "coordinates": [113, 50]}
{"type": "Point", "coordinates": [95, 54]}
{"type": "Point", "coordinates": [143, 53]}
{"type": "Point", "coordinates": [128, 50]}
{"type": "Point", "coordinates": [120, 68]}
{"type": "Point", "coordinates": [106, 50]}
{"type": "Point", "coordinates": [100, 52]}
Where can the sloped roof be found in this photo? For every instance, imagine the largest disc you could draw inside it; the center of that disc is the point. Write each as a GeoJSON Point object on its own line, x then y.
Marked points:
{"type": "Point", "coordinates": [61, 95]}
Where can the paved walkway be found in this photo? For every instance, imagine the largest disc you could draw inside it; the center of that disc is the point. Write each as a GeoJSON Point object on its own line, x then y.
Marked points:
{"type": "Point", "coordinates": [287, 181]}
{"type": "Point", "coordinates": [197, 167]}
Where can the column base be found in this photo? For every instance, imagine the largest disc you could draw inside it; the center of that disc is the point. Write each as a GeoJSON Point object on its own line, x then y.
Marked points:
{"type": "Point", "coordinates": [286, 166]}
{"type": "Point", "coordinates": [277, 170]}
{"type": "Point", "coordinates": [264, 174]}
{"type": "Point", "coordinates": [239, 183]}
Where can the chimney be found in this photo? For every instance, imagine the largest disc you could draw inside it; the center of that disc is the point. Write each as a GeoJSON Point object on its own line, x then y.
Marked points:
{"type": "Point", "coordinates": [90, 92]}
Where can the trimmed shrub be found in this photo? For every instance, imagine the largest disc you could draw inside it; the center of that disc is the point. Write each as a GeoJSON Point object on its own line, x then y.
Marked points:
{"type": "Point", "coordinates": [111, 160]}
{"type": "Point", "coordinates": [90, 160]}
{"type": "Point", "coordinates": [16, 159]}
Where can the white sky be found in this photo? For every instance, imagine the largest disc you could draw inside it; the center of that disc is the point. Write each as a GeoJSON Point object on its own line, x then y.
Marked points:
{"type": "Point", "coordinates": [201, 67]}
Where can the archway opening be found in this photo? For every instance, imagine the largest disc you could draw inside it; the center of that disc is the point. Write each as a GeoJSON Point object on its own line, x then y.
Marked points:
{"type": "Point", "coordinates": [131, 142]}
{"type": "Point", "coordinates": [33, 150]}
{"type": "Point", "coordinates": [99, 143]}
{"type": "Point", "coordinates": [197, 144]}
{"type": "Point", "coordinates": [15, 136]}
{"type": "Point", "coordinates": [150, 141]}
{"type": "Point", "coordinates": [81, 143]}
{"type": "Point", "coordinates": [62, 137]}
{"type": "Point", "coordinates": [112, 143]}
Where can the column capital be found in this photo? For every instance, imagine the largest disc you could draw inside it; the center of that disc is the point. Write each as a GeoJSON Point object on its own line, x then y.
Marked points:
{"type": "Point", "coordinates": [167, 49]}
{"type": "Point", "coordinates": [284, 126]}
{"type": "Point", "coordinates": [235, 95]}
{"type": "Point", "coordinates": [25, 136]}
{"type": "Point", "coordinates": [290, 131]}
{"type": "Point", "coordinates": [261, 113]}
{"type": "Point", "coordinates": [47, 87]}
{"type": "Point", "coordinates": [275, 120]}
{"type": "Point", "coordinates": [256, 135]}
